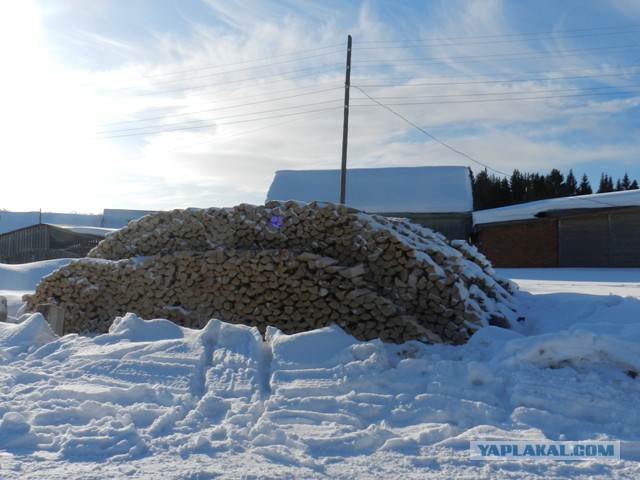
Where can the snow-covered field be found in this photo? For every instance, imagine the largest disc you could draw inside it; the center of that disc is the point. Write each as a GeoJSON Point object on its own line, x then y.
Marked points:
{"type": "Point", "coordinates": [151, 400]}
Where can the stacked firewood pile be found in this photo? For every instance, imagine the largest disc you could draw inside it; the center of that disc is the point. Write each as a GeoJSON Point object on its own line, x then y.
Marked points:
{"type": "Point", "coordinates": [293, 266]}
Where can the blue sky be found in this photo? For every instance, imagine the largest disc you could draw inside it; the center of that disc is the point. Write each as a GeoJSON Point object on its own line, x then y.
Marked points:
{"type": "Point", "coordinates": [160, 104]}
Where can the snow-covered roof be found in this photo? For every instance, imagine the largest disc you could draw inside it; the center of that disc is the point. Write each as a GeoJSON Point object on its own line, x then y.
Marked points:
{"type": "Point", "coordinates": [381, 190]}
{"type": "Point", "coordinates": [10, 221]}
{"type": "Point", "coordinates": [80, 229]}
{"type": "Point", "coordinates": [111, 219]}
{"type": "Point", "coordinates": [525, 211]}
{"type": "Point", "coordinates": [97, 231]}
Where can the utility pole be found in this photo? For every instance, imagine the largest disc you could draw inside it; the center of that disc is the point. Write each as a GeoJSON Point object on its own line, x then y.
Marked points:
{"type": "Point", "coordinates": [345, 125]}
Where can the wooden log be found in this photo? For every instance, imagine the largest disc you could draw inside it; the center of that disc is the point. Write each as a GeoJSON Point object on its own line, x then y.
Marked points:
{"type": "Point", "coordinates": [54, 315]}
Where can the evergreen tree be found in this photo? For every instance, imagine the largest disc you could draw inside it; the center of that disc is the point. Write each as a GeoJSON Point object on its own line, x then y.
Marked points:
{"type": "Point", "coordinates": [538, 187]}
{"type": "Point", "coordinates": [554, 182]}
{"type": "Point", "coordinates": [482, 191]}
{"type": "Point", "coordinates": [518, 184]}
{"type": "Point", "coordinates": [504, 197]}
{"type": "Point", "coordinates": [626, 182]}
{"type": "Point", "coordinates": [606, 184]}
{"type": "Point", "coordinates": [570, 186]}
{"type": "Point", "coordinates": [585, 187]}
{"type": "Point", "coordinates": [490, 191]}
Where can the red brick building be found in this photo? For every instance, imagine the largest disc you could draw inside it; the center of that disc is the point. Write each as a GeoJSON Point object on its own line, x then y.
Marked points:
{"type": "Point", "coordinates": [601, 230]}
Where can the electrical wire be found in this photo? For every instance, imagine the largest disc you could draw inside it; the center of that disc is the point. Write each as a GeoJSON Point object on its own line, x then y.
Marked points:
{"type": "Point", "coordinates": [558, 90]}
{"type": "Point", "coordinates": [505, 99]}
{"type": "Point", "coordinates": [240, 105]}
{"type": "Point", "coordinates": [125, 128]}
{"type": "Point", "coordinates": [221, 139]}
{"type": "Point", "coordinates": [192, 78]}
{"type": "Point", "coordinates": [469, 157]}
{"type": "Point", "coordinates": [508, 38]}
{"type": "Point", "coordinates": [494, 82]}
{"type": "Point", "coordinates": [218, 122]}
{"type": "Point", "coordinates": [494, 56]}
{"type": "Point", "coordinates": [236, 82]}
{"type": "Point", "coordinates": [242, 62]}
{"type": "Point", "coordinates": [494, 74]}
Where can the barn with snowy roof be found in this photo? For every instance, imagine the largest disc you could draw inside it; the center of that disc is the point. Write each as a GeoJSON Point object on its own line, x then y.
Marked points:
{"type": "Point", "coordinates": [436, 197]}
{"type": "Point", "coordinates": [599, 230]}
{"type": "Point", "coordinates": [56, 235]}
{"type": "Point", "coordinates": [45, 242]}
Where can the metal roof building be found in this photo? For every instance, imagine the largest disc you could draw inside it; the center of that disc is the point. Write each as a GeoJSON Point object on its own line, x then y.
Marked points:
{"type": "Point", "coordinates": [599, 230]}
{"type": "Point", "coordinates": [437, 197]}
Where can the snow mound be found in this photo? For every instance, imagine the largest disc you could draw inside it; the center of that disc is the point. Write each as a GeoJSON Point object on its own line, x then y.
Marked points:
{"type": "Point", "coordinates": [298, 267]}
{"type": "Point", "coordinates": [33, 330]}
{"type": "Point", "coordinates": [317, 404]}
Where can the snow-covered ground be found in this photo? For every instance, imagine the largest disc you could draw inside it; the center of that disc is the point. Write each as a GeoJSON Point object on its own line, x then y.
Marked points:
{"type": "Point", "coordinates": [150, 400]}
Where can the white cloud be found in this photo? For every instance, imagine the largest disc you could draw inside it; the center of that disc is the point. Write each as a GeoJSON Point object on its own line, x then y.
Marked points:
{"type": "Point", "coordinates": [65, 122]}
{"type": "Point", "coordinates": [630, 9]}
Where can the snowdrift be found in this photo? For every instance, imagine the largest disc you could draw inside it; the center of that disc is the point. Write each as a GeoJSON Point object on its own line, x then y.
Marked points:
{"type": "Point", "coordinates": [151, 399]}
{"type": "Point", "coordinates": [297, 267]}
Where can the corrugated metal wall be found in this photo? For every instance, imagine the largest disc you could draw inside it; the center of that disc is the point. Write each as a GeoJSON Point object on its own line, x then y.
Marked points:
{"type": "Point", "coordinates": [600, 240]}
{"type": "Point", "coordinates": [26, 239]}
{"type": "Point", "coordinates": [43, 242]}
{"type": "Point", "coordinates": [454, 226]}
{"type": "Point", "coordinates": [625, 239]}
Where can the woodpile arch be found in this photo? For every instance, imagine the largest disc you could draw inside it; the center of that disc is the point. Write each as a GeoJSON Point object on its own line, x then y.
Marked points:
{"type": "Point", "coordinates": [293, 266]}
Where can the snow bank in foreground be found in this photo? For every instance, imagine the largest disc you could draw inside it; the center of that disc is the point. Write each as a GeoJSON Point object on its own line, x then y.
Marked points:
{"type": "Point", "coordinates": [33, 330]}
{"type": "Point", "coordinates": [17, 280]}
{"type": "Point", "coordinates": [151, 399]}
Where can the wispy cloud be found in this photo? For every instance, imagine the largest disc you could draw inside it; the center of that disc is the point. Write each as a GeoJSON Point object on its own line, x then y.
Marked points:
{"type": "Point", "coordinates": [202, 102]}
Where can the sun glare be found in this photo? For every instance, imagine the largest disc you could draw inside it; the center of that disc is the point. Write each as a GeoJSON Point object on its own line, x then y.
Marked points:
{"type": "Point", "coordinates": [22, 58]}
{"type": "Point", "coordinates": [19, 30]}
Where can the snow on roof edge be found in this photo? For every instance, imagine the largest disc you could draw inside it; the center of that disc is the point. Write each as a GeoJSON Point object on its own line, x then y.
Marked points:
{"type": "Point", "coordinates": [426, 189]}
{"type": "Point", "coordinates": [96, 231]}
{"type": "Point", "coordinates": [531, 210]}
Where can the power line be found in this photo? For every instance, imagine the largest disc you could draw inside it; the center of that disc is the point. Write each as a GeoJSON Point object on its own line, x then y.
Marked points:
{"type": "Point", "coordinates": [494, 74]}
{"type": "Point", "coordinates": [558, 90]}
{"type": "Point", "coordinates": [210, 75]}
{"type": "Point", "coordinates": [378, 63]}
{"type": "Point", "coordinates": [494, 56]}
{"type": "Point", "coordinates": [508, 99]}
{"type": "Point", "coordinates": [493, 82]}
{"type": "Point", "coordinates": [179, 126]}
{"type": "Point", "coordinates": [182, 126]}
{"type": "Point", "coordinates": [240, 105]}
{"type": "Point", "coordinates": [209, 67]}
{"type": "Point", "coordinates": [282, 76]}
{"type": "Point", "coordinates": [506, 38]}
{"type": "Point", "coordinates": [238, 86]}
{"type": "Point", "coordinates": [242, 84]}
{"type": "Point", "coordinates": [429, 134]}
{"type": "Point", "coordinates": [215, 140]}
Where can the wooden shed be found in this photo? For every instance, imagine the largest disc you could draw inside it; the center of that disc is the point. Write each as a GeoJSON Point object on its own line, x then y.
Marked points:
{"type": "Point", "coordinates": [45, 242]}
{"type": "Point", "coordinates": [601, 230]}
{"type": "Point", "coordinates": [110, 218]}
{"type": "Point", "coordinates": [436, 197]}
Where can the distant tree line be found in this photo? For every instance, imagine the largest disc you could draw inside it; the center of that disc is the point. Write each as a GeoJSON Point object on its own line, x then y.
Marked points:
{"type": "Point", "coordinates": [491, 191]}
